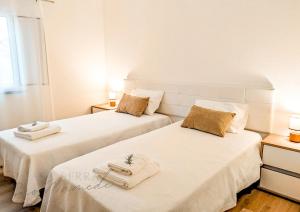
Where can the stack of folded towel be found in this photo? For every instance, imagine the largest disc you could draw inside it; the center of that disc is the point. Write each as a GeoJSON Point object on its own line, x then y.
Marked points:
{"type": "Point", "coordinates": [128, 171]}
{"type": "Point", "coordinates": [36, 130]}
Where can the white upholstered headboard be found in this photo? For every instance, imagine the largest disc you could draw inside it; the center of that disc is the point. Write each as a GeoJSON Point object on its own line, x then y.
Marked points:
{"type": "Point", "coordinates": [179, 98]}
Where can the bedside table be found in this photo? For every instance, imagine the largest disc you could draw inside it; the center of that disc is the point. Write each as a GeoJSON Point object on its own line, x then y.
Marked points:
{"type": "Point", "coordinates": [280, 173]}
{"type": "Point", "coordinates": [102, 107]}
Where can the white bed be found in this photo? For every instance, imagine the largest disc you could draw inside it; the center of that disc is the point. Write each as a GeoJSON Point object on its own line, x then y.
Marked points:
{"type": "Point", "coordinates": [199, 172]}
{"type": "Point", "coordinates": [29, 163]}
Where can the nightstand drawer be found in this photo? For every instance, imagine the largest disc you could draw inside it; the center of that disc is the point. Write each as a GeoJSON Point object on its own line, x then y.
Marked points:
{"type": "Point", "coordinates": [281, 158]}
{"type": "Point", "coordinates": [281, 184]}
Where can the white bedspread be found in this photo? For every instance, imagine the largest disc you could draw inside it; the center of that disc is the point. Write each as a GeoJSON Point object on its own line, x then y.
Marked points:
{"type": "Point", "coordinates": [199, 172]}
{"type": "Point", "coordinates": [29, 162]}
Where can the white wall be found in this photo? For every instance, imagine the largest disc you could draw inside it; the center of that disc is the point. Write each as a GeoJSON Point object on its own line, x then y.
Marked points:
{"type": "Point", "coordinates": [76, 57]}
{"type": "Point", "coordinates": [235, 42]}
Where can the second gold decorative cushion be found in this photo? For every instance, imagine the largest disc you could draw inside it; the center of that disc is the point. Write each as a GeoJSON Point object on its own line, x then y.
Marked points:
{"type": "Point", "coordinates": [207, 120]}
{"type": "Point", "coordinates": [133, 105]}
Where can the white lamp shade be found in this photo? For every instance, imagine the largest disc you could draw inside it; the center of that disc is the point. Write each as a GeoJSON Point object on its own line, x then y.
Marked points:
{"type": "Point", "coordinates": [112, 95]}
{"type": "Point", "coordinates": [295, 122]}
{"type": "Point", "coordinates": [116, 85]}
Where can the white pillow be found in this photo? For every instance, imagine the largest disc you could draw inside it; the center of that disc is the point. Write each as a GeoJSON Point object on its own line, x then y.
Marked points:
{"type": "Point", "coordinates": [241, 110]}
{"type": "Point", "coordinates": [154, 101]}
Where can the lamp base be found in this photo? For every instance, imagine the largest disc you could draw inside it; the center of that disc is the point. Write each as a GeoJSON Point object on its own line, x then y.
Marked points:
{"type": "Point", "coordinates": [112, 103]}
{"type": "Point", "coordinates": [295, 137]}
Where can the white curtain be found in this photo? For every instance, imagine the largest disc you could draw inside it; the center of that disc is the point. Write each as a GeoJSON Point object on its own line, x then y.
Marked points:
{"type": "Point", "coordinates": [30, 98]}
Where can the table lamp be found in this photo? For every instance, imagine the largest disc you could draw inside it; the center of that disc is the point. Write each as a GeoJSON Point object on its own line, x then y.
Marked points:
{"type": "Point", "coordinates": [294, 127]}
{"type": "Point", "coordinates": [112, 96]}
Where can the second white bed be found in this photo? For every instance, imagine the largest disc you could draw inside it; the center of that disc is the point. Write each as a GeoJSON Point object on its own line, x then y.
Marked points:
{"type": "Point", "coordinates": [199, 172]}
{"type": "Point", "coordinates": [29, 162]}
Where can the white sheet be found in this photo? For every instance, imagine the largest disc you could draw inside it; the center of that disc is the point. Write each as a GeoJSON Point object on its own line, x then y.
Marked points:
{"type": "Point", "coordinates": [199, 172]}
{"type": "Point", "coordinates": [29, 162]}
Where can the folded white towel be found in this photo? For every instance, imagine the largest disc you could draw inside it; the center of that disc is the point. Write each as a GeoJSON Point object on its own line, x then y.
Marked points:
{"type": "Point", "coordinates": [38, 134]}
{"type": "Point", "coordinates": [129, 164]}
{"type": "Point", "coordinates": [127, 182]}
{"type": "Point", "coordinates": [36, 126]}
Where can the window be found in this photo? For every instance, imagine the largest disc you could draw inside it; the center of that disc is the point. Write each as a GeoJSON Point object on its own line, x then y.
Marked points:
{"type": "Point", "coordinates": [9, 76]}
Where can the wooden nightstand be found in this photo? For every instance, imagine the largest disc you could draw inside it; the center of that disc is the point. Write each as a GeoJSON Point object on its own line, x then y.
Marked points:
{"type": "Point", "coordinates": [280, 173]}
{"type": "Point", "coordinates": [102, 107]}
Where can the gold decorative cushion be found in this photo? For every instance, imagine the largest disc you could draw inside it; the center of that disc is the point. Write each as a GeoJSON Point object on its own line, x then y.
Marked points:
{"type": "Point", "coordinates": [133, 105]}
{"type": "Point", "coordinates": [207, 120]}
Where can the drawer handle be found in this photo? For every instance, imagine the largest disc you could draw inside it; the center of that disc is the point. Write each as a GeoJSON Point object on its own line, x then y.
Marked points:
{"type": "Point", "coordinates": [282, 171]}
